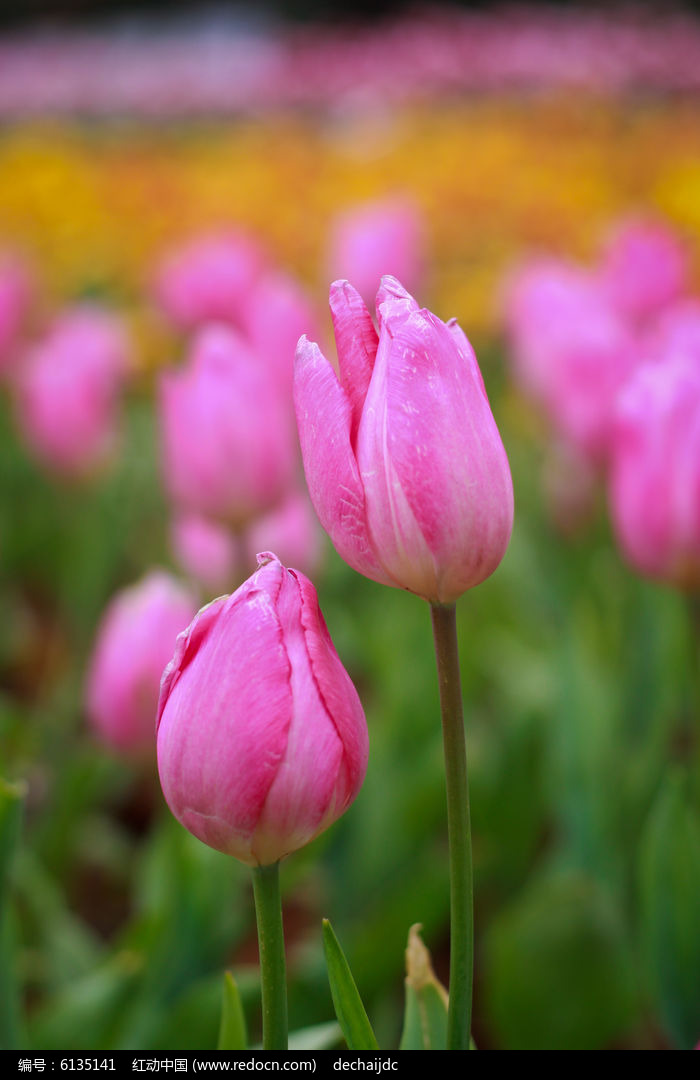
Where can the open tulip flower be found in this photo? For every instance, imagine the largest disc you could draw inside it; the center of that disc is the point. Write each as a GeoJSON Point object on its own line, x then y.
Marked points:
{"type": "Point", "coordinates": [403, 459]}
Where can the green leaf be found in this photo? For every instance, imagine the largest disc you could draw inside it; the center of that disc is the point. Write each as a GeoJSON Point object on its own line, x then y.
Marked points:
{"type": "Point", "coordinates": [670, 887]}
{"type": "Point", "coordinates": [425, 1016]}
{"type": "Point", "coordinates": [316, 1037]}
{"type": "Point", "coordinates": [232, 1033]}
{"type": "Point", "coordinates": [349, 1009]}
{"type": "Point", "coordinates": [11, 805]}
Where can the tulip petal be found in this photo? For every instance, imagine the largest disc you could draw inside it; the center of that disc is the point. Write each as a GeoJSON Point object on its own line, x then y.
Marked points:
{"type": "Point", "coordinates": [356, 342]}
{"type": "Point", "coordinates": [445, 474]}
{"type": "Point", "coordinates": [220, 796]}
{"type": "Point", "coordinates": [324, 416]}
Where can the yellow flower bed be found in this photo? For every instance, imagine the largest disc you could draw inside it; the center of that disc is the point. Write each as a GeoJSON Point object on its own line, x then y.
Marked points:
{"type": "Point", "coordinates": [94, 205]}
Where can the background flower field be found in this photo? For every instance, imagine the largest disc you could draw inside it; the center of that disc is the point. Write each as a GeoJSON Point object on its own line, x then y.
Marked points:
{"type": "Point", "coordinates": [581, 679]}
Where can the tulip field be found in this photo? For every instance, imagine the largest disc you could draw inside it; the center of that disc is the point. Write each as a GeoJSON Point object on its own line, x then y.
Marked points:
{"type": "Point", "coordinates": [350, 537]}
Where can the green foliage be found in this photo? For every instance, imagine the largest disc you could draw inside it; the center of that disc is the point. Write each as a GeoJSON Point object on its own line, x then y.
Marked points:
{"type": "Point", "coordinates": [347, 1002]}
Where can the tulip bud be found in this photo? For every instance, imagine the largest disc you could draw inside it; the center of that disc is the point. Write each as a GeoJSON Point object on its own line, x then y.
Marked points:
{"type": "Point", "coordinates": [644, 268]}
{"type": "Point", "coordinates": [277, 313]}
{"type": "Point", "coordinates": [135, 641]}
{"type": "Point", "coordinates": [206, 550]}
{"type": "Point", "coordinates": [403, 459]}
{"type": "Point", "coordinates": [291, 529]}
{"type": "Point", "coordinates": [369, 240]}
{"type": "Point", "coordinates": [228, 451]}
{"type": "Point", "coordinates": [68, 391]}
{"type": "Point", "coordinates": [572, 351]}
{"type": "Point", "coordinates": [209, 279]}
{"type": "Point", "coordinates": [262, 741]}
{"type": "Point", "coordinates": [655, 472]}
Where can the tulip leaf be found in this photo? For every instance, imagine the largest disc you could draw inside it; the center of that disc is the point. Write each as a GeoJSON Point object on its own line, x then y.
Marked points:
{"type": "Point", "coordinates": [232, 1033]}
{"type": "Point", "coordinates": [425, 1016]}
{"type": "Point", "coordinates": [670, 887]}
{"type": "Point", "coordinates": [11, 806]}
{"type": "Point", "coordinates": [349, 1009]}
{"type": "Point", "coordinates": [316, 1037]}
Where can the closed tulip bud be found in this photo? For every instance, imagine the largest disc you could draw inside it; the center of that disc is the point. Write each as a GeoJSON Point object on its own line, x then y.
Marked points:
{"type": "Point", "coordinates": [290, 529]}
{"type": "Point", "coordinates": [403, 459]}
{"type": "Point", "coordinates": [644, 268]}
{"type": "Point", "coordinates": [277, 313]}
{"type": "Point", "coordinates": [572, 351]}
{"type": "Point", "coordinates": [262, 741]}
{"type": "Point", "coordinates": [210, 279]}
{"type": "Point", "coordinates": [227, 444]}
{"type": "Point", "coordinates": [655, 473]}
{"type": "Point", "coordinates": [206, 550]}
{"type": "Point", "coordinates": [134, 643]}
{"type": "Point", "coordinates": [68, 391]}
{"type": "Point", "coordinates": [370, 240]}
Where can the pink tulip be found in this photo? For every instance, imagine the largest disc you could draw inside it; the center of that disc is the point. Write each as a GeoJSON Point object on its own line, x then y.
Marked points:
{"type": "Point", "coordinates": [655, 474]}
{"type": "Point", "coordinates": [403, 459]}
{"type": "Point", "coordinates": [211, 278]}
{"type": "Point", "coordinates": [572, 351]}
{"type": "Point", "coordinates": [292, 529]}
{"type": "Point", "coordinates": [15, 295]}
{"type": "Point", "coordinates": [374, 239]}
{"type": "Point", "coordinates": [134, 642]}
{"type": "Point", "coordinates": [206, 550]}
{"type": "Point", "coordinates": [68, 391]}
{"type": "Point", "coordinates": [227, 443]}
{"type": "Point", "coordinates": [676, 332]}
{"type": "Point", "coordinates": [262, 741]}
{"type": "Point", "coordinates": [278, 312]}
{"type": "Point", "coordinates": [644, 268]}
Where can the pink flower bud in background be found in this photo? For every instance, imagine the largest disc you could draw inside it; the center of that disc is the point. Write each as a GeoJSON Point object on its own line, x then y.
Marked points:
{"type": "Point", "coordinates": [278, 312]}
{"type": "Point", "coordinates": [378, 238]}
{"type": "Point", "coordinates": [206, 550]}
{"type": "Point", "coordinates": [209, 279]}
{"type": "Point", "coordinates": [15, 296]}
{"type": "Point", "coordinates": [655, 472]}
{"type": "Point", "coordinates": [571, 350]}
{"type": "Point", "coordinates": [262, 741]}
{"type": "Point", "coordinates": [68, 391]}
{"type": "Point", "coordinates": [676, 332]}
{"type": "Point", "coordinates": [227, 443]}
{"type": "Point", "coordinates": [290, 529]}
{"type": "Point", "coordinates": [403, 459]}
{"type": "Point", "coordinates": [541, 298]}
{"type": "Point", "coordinates": [135, 641]}
{"type": "Point", "coordinates": [644, 268]}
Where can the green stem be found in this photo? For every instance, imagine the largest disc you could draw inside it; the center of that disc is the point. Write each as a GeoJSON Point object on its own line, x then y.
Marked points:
{"type": "Point", "coordinates": [273, 972]}
{"type": "Point", "coordinates": [458, 827]}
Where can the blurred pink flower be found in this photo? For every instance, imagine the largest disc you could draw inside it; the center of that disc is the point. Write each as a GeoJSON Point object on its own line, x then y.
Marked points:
{"type": "Point", "coordinates": [210, 278]}
{"type": "Point", "coordinates": [571, 350]}
{"type": "Point", "coordinates": [135, 641]}
{"type": "Point", "coordinates": [403, 459]}
{"type": "Point", "coordinates": [276, 314]}
{"type": "Point", "coordinates": [206, 550]}
{"type": "Point", "coordinates": [291, 529]}
{"type": "Point", "coordinates": [655, 471]}
{"type": "Point", "coordinates": [227, 442]}
{"type": "Point", "coordinates": [68, 391]}
{"type": "Point", "coordinates": [644, 268]}
{"type": "Point", "coordinates": [378, 238]}
{"type": "Point", "coordinates": [262, 741]}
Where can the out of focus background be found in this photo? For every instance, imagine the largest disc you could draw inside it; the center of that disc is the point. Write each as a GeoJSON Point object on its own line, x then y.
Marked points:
{"type": "Point", "coordinates": [533, 171]}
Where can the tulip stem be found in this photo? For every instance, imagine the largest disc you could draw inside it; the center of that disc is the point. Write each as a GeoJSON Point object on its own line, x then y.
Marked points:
{"type": "Point", "coordinates": [444, 618]}
{"type": "Point", "coordinates": [273, 970]}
